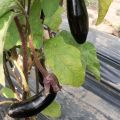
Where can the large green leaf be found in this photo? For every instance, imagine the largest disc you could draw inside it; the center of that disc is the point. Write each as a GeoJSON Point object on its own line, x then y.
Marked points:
{"type": "Point", "coordinates": [88, 54]}
{"type": "Point", "coordinates": [36, 25]}
{"type": "Point", "coordinates": [49, 7]}
{"type": "Point", "coordinates": [4, 24]}
{"type": "Point", "coordinates": [55, 18]}
{"type": "Point", "coordinates": [103, 8]}
{"type": "Point", "coordinates": [8, 93]}
{"type": "Point", "coordinates": [6, 5]}
{"type": "Point", "coordinates": [53, 110]}
{"type": "Point", "coordinates": [89, 59]}
{"type": "Point", "coordinates": [64, 61]}
{"type": "Point", "coordinates": [12, 37]}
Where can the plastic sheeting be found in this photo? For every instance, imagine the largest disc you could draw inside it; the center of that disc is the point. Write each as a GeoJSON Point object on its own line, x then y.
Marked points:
{"type": "Point", "coordinates": [108, 51]}
{"type": "Point", "coordinates": [109, 70]}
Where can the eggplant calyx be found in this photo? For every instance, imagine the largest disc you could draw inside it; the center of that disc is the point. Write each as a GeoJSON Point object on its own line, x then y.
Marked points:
{"type": "Point", "coordinates": [51, 82]}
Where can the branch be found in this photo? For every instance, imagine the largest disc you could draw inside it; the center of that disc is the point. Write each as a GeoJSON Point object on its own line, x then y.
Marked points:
{"type": "Point", "coordinates": [36, 60]}
{"type": "Point", "coordinates": [24, 46]}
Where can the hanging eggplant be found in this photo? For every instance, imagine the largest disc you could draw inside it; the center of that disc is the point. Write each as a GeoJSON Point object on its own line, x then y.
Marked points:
{"type": "Point", "coordinates": [34, 104]}
{"type": "Point", "coordinates": [31, 106]}
{"type": "Point", "coordinates": [78, 19]}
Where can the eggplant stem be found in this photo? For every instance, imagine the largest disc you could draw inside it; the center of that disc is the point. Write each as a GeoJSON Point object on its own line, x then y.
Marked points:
{"type": "Point", "coordinates": [36, 60]}
{"type": "Point", "coordinates": [25, 60]}
{"type": "Point", "coordinates": [24, 46]}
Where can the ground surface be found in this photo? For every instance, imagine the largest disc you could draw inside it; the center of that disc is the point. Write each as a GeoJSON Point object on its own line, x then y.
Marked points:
{"type": "Point", "coordinates": [84, 105]}
{"type": "Point", "coordinates": [111, 24]}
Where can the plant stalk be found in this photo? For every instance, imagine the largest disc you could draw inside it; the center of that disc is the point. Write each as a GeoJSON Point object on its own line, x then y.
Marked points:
{"type": "Point", "coordinates": [36, 60]}
{"type": "Point", "coordinates": [28, 9]}
{"type": "Point", "coordinates": [38, 64]}
{"type": "Point", "coordinates": [24, 47]}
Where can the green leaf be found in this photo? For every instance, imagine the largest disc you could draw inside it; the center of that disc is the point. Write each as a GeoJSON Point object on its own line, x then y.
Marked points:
{"type": "Point", "coordinates": [88, 53]}
{"type": "Point", "coordinates": [55, 18]}
{"type": "Point", "coordinates": [8, 93]}
{"type": "Point", "coordinates": [6, 5]}
{"type": "Point", "coordinates": [89, 59]}
{"type": "Point", "coordinates": [4, 24]}
{"type": "Point", "coordinates": [64, 61]}
{"type": "Point", "coordinates": [12, 37]}
{"type": "Point", "coordinates": [49, 7]}
{"type": "Point", "coordinates": [36, 25]}
{"type": "Point", "coordinates": [68, 38]}
{"type": "Point", "coordinates": [103, 8]}
{"type": "Point", "coordinates": [53, 110]}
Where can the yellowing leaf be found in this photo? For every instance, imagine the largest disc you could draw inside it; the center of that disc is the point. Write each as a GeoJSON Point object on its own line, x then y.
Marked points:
{"type": "Point", "coordinates": [4, 24]}
{"type": "Point", "coordinates": [103, 8]}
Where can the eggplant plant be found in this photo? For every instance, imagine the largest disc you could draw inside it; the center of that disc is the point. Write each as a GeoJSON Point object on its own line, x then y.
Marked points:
{"type": "Point", "coordinates": [31, 40]}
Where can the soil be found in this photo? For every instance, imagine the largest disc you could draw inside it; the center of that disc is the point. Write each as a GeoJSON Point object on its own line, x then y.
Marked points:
{"type": "Point", "coordinates": [111, 23]}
